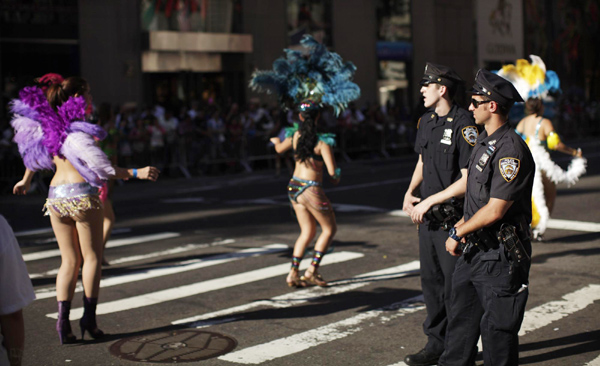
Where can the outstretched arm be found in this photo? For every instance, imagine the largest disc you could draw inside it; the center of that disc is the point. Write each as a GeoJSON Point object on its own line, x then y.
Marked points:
{"type": "Point", "coordinates": [22, 186]}
{"type": "Point", "coordinates": [281, 146]}
{"type": "Point", "coordinates": [554, 142]}
{"type": "Point", "coordinates": [146, 173]}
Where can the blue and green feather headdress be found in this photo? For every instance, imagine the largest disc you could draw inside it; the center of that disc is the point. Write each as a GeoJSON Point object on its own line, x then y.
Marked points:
{"type": "Point", "coordinates": [319, 75]}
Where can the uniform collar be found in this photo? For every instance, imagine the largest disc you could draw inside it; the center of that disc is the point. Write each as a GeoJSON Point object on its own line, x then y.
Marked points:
{"type": "Point", "coordinates": [447, 118]}
{"type": "Point", "coordinates": [496, 136]}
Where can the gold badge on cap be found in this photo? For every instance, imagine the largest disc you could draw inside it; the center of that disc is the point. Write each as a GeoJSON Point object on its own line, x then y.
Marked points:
{"type": "Point", "coordinates": [470, 135]}
{"type": "Point", "coordinates": [509, 168]}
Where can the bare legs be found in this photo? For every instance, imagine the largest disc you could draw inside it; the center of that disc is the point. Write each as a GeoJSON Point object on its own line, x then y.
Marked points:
{"type": "Point", "coordinates": [79, 239]}
{"type": "Point", "coordinates": [109, 221]}
{"type": "Point", "coordinates": [308, 216]}
{"type": "Point", "coordinates": [549, 192]}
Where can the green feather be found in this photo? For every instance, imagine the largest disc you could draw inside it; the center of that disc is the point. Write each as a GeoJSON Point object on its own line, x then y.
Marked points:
{"type": "Point", "coordinates": [328, 138]}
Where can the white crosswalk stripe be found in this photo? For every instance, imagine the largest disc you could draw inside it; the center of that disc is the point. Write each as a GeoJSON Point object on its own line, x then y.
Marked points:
{"type": "Point", "coordinates": [179, 267]}
{"type": "Point", "coordinates": [305, 295]}
{"type": "Point", "coordinates": [110, 244]}
{"type": "Point", "coordinates": [175, 293]}
{"type": "Point", "coordinates": [325, 334]}
{"type": "Point", "coordinates": [289, 344]}
{"type": "Point", "coordinates": [135, 258]}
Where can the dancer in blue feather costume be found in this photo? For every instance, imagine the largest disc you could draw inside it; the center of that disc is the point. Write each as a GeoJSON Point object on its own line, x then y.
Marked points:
{"type": "Point", "coordinates": [311, 80]}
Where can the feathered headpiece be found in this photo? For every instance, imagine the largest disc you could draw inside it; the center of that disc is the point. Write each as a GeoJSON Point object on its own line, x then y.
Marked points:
{"type": "Point", "coordinates": [531, 80]}
{"type": "Point", "coordinates": [317, 74]}
{"type": "Point", "coordinates": [42, 133]}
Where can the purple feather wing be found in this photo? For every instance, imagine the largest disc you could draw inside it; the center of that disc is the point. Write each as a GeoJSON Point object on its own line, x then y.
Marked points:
{"type": "Point", "coordinates": [90, 161]}
{"type": "Point", "coordinates": [89, 128]}
{"type": "Point", "coordinates": [29, 138]}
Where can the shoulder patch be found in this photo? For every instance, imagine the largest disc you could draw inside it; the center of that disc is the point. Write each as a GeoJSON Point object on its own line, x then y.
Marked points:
{"type": "Point", "coordinates": [470, 134]}
{"type": "Point", "coordinates": [509, 168]}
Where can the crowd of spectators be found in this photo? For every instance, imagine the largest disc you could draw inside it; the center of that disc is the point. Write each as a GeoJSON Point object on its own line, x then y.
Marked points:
{"type": "Point", "coordinates": [212, 138]}
{"type": "Point", "coordinates": [207, 138]}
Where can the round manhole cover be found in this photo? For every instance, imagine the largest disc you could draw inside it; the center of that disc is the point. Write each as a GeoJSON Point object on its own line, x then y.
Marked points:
{"type": "Point", "coordinates": [177, 346]}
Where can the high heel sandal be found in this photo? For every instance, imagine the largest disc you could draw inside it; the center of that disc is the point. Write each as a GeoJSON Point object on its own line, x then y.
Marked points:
{"type": "Point", "coordinates": [88, 320]}
{"type": "Point", "coordinates": [315, 279]}
{"type": "Point", "coordinates": [63, 325]}
{"type": "Point", "coordinates": [294, 281]}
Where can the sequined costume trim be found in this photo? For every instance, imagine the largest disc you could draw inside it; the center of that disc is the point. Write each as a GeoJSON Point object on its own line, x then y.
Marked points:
{"type": "Point", "coordinates": [71, 199]}
{"type": "Point", "coordinates": [314, 193]}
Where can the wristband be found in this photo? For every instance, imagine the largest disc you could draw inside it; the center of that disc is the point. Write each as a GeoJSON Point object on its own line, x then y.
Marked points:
{"type": "Point", "coordinates": [337, 174]}
{"type": "Point", "coordinates": [134, 172]}
{"type": "Point", "coordinates": [452, 234]}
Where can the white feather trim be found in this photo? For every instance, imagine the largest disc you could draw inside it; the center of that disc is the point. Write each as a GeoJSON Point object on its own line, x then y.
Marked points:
{"type": "Point", "coordinates": [543, 163]}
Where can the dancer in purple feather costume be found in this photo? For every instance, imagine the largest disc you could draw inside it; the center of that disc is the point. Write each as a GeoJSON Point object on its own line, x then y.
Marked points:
{"type": "Point", "coordinates": [51, 134]}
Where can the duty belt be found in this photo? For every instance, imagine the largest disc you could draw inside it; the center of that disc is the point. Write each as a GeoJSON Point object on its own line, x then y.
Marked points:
{"type": "Point", "coordinates": [507, 234]}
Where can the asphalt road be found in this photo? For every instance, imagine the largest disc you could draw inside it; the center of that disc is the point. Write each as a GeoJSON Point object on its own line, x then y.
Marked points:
{"type": "Point", "coordinates": [212, 254]}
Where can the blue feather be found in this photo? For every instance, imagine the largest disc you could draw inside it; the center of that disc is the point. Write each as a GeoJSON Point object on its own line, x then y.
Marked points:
{"type": "Point", "coordinates": [319, 74]}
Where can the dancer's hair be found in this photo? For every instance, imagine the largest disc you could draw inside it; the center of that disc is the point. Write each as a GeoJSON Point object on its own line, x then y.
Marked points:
{"type": "Point", "coordinates": [57, 94]}
{"type": "Point", "coordinates": [534, 106]}
{"type": "Point", "coordinates": [308, 135]}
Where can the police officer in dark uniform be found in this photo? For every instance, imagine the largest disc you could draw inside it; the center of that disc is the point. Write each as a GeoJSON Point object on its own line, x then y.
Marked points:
{"type": "Point", "coordinates": [446, 135]}
{"type": "Point", "coordinates": [489, 286]}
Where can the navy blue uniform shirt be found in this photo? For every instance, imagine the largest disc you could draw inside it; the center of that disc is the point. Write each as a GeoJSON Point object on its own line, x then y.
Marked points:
{"type": "Point", "coordinates": [445, 144]}
{"type": "Point", "coordinates": [501, 166]}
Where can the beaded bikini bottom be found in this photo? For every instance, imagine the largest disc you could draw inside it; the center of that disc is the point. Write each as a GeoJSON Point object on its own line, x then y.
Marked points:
{"type": "Point", "coordinates": [72, 199]}
{"type": "Point", "coordinates": [312, 189]}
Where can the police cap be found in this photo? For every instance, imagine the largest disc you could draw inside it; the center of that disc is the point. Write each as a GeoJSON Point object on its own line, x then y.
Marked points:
{"type": "Point", "coordinates": [440, 74]}
{"type": "Point", "coordinates": [496, 88]}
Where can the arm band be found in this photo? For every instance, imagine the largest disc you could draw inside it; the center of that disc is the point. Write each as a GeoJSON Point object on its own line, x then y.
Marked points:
{"type": "Point", "coordinates": [552, 140]}
{"type": "Point", "coordinates": [338, 173]}
{"type": "Point", "coordinates": [134, 172]}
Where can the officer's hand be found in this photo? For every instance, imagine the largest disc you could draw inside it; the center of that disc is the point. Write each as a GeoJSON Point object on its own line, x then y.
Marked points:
{"type": "Point", "coordinates": [453, 248]}
{"type": "Point", "coordinates": [419, 211]}
{"type": "Point", "coordinates": [409, 202]}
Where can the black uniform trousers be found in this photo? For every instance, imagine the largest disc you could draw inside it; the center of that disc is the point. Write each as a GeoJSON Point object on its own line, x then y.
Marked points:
{"type": "Point", "coordinates": [488, 296]}
{"type": "Point", "coordinates": [437, 267]}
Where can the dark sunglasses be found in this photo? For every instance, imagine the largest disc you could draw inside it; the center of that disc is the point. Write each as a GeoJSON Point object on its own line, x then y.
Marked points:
{"type": "Point", "coordinates": [476, 103]}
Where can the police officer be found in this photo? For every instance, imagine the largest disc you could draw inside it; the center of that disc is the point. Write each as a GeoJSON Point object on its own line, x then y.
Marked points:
{"type": "Point", "coordinates": [446, 135]}
{"type": "Point", "coordinates": [489, 286]}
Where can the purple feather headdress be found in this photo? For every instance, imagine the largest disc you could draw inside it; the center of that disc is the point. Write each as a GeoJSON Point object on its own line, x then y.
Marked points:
{"type": "Point", "coordinates": [42, 133]}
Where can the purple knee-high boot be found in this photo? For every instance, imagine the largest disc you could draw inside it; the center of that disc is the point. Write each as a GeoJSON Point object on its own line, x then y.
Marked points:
{"type": "Point", "coordinates": [88, 320]}
{"type": "Point", "coordinates": [63, 326]}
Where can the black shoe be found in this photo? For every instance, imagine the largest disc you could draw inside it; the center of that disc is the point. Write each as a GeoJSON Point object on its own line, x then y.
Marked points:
{"type": "Point", "coordinates": [422, 358]}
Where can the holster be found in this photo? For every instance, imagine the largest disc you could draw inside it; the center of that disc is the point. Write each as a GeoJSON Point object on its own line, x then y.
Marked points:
{"type": "Point", "coordinates": [490, 238]}
{"type": "Point", "coordinates": [513, 245]}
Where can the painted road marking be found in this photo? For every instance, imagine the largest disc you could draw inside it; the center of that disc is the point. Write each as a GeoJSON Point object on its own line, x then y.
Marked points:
{"type": "Point", "coordinates": [110, 244]}
{"type": "Point", "coordinates": [305, 295]}
{"type": "Point", "coordinates": [573, 225]}
{"type": "Point", "coordinates": [134, 258]}
{"type": "Point", "coordinates": [180, 292]}
{"type": "Point", "coordinates": [179, 267]}
{"type": "Point", "coordinates": [555, 310]}
{"type": "Point", "coordinates": [299, 342]}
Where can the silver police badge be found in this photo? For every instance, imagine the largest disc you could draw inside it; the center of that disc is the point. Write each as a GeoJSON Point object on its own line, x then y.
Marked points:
{"type": "Point", "coordinates": [447, 138]}
{"type": "Point", "coordinates": [470, 134]}
{"type": "Point", "coordinates": [509, 168]}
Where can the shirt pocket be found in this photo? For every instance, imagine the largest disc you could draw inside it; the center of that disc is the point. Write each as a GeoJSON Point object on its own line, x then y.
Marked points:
{"type": "Point", "coordinates": [445, 156]}
{"type": "Point", "coordinates": [482, 186]}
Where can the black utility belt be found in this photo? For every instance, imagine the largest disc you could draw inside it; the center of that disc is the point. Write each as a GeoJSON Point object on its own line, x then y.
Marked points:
{"type": "Point", "coordinates": [445, 215]}
{"type": "Point", "coordinates": [489, 239]}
